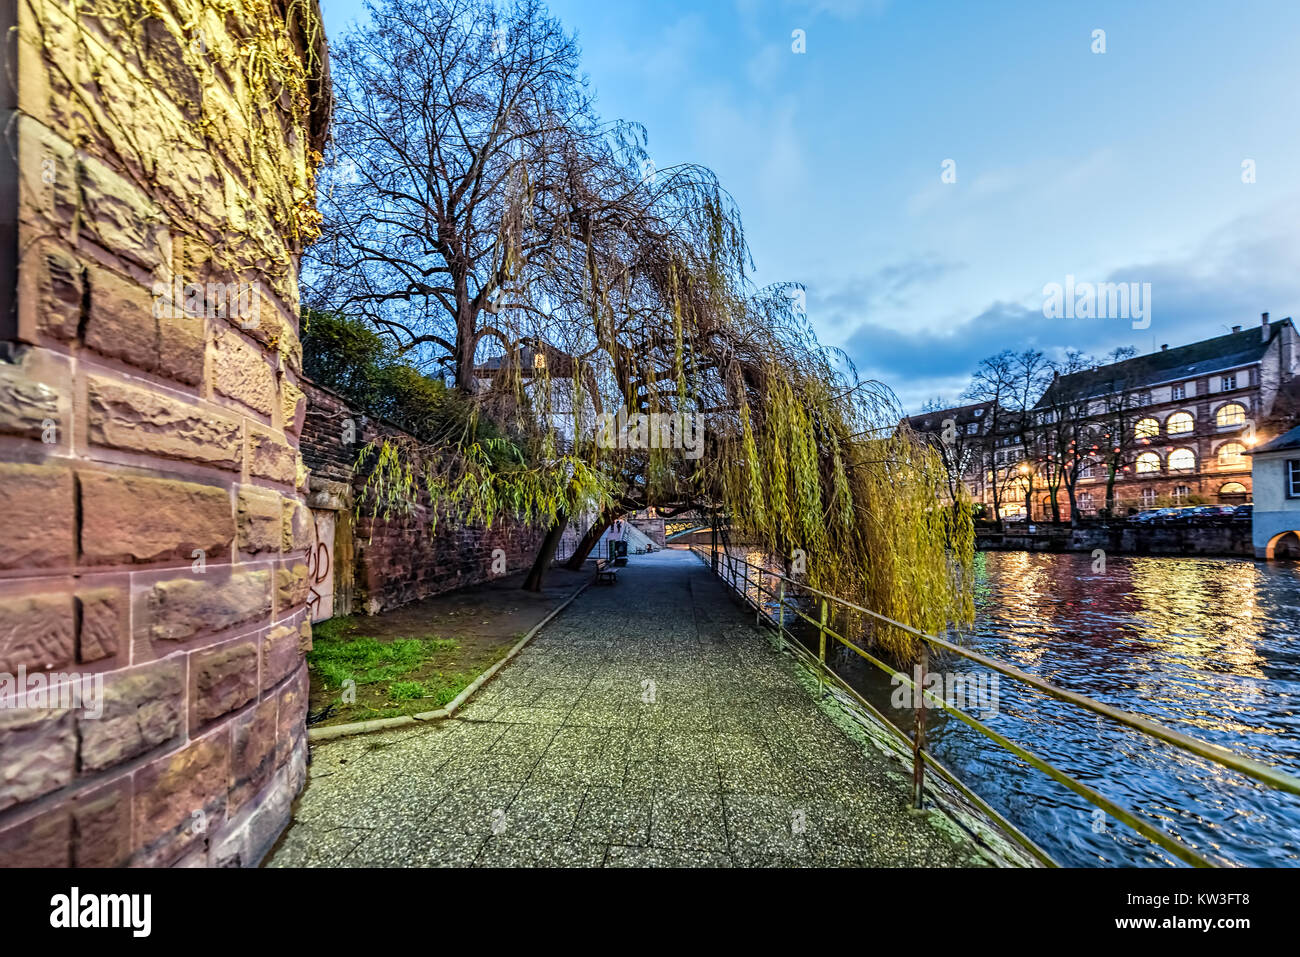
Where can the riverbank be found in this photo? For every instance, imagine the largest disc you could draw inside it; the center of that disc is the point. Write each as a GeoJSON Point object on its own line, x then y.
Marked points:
{"type": "Point", "coordinates": [1228, 539]}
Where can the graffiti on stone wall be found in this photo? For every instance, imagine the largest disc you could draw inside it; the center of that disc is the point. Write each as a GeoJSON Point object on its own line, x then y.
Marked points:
{"type": "Point", "coordinates": [320, 566]}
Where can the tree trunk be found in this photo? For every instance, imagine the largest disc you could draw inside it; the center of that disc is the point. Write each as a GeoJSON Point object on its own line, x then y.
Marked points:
{"type": "Point", "coordinates": [543, 560]}
{"type": "Point", "coordinates": [589, 540]}
{"type": "Point", "coordinates": [465, 341]}
{"type": "Point", "coordinates": [997, 502]}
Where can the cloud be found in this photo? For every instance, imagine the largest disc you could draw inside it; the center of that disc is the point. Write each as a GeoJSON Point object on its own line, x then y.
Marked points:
{"type": "Point", "coordinates": [1246, 267]}
{"type": "Point", "coordinates": [839, 308]}
{"type": "Point", "coordinates": [840, 9]}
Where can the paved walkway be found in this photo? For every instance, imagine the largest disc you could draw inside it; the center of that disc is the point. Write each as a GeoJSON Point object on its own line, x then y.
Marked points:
{"type": "Point", "coordinates": [650, 724]}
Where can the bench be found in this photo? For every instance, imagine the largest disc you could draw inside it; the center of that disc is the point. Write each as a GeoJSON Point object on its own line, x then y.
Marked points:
{"type": "Point", "coordinates": [606, 572]}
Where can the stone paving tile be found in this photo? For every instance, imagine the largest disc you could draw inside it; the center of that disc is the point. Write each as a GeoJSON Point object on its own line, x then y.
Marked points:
{"type": "Point", "coordinates": [674, 736]}
{"type": "Point", "coordinates": [615, 816]}
{"type": "Point", "coordinates": [541, 812]}
{"type": "Point", "coordinates": [308, 846]}
{"type": "Point", "coordinates": [689, 820]}
{"type": "Point", "coordinates": [762, 826]}
{"type": "Point", "coordinates": [368, 795]}
{"type": "Point", "coordinates": [664, 857]}
{"type": "Point", "coordinates": [517, 852]}
{"type": "Point", "coordinates": [531, 739]}
{"type": "Point", "coordinates": [415, 848]}
{"type": "Point", "coordinates": [476, 808]}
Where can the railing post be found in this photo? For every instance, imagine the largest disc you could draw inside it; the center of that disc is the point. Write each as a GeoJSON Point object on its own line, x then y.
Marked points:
{"type": "Point", "coordinates": [821, 652]}
{"type": "Point", "coordinates": [780, 619]}
{"type": "Point", "coordinates": [714, 545]}
{"type": "Point", "coordinates": [758, 598]}
{"type": "Point", "coordinates": [918, 744]}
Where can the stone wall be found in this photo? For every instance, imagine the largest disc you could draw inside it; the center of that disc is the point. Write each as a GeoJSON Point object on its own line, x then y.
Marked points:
{"type": "Point", "coordinates": [150, 481]}
{"type": "Point", "coordinates": [399, 560]}
{"type": "Point", "coordinates": [652, 528]}
{"type": "Point", "coordinates": [1223, 539]}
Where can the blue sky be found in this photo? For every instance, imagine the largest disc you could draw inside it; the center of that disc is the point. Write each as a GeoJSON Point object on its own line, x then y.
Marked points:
{"type": "Point", "coordinates": [1124, 165]}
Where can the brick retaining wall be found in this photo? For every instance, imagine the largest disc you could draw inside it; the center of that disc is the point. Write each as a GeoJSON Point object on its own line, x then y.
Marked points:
{"type": "Point", "coordinates": [399, 561]}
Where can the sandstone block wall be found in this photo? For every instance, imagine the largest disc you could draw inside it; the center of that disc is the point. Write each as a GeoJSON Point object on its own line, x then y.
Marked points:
{"type": "Point", "coordinates": [399, 561]}
{"type": "Point", "coordinates": [151, 487]}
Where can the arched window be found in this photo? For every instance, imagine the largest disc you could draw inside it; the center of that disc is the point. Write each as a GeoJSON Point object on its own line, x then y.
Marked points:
{"type": "Point", "coordinates": [1148, 461]}
{"type": "Point", "coordinates": [1232, 453]}
{"type": "Point", "coordinates": [1182, 460]}
{"type": "Point", "coordinates": [1179, 423]}
{"type": "Point", "coordinates": [1234, 413]}
{"type": "Point", "coordinates": [1147, 428]}
{"type": "Point", "coordinates": [1232, 488]}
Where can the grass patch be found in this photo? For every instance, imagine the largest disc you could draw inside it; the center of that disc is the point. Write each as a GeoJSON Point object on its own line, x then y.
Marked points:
{"type": "Point", "coordinates": [390, 675]}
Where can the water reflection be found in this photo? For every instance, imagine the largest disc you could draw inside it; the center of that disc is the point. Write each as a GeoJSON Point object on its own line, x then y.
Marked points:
{"type": "Point", "coordinates": [1208, 646]}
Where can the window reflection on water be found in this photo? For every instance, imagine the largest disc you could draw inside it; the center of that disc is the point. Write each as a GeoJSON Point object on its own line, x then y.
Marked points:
{"type": "Point", "coordinates": [1208, 646]}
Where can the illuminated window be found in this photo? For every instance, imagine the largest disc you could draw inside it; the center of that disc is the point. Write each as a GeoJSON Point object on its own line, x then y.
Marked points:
{"type": "Point", "coordinates": [1178, 423]}
{"type": "Point", "coordinates": [1147, 428]}
{"type": "Point", "coordinates": [1232, 453]}
{"type": "Point", "coordinates": [1230, 414]}
{"type": "Point", "coordinates": [1182, 460]}
{"type": "Point", "coordinates": [1232, 488]}
{"type": "Point", "coordinates": [1148, 462]}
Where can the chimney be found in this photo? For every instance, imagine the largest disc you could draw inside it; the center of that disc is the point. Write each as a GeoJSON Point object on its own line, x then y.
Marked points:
{"type": "Point", "coordinates": [1263, 327]}
{"type": "Point", "coordinates": [1236, 328]}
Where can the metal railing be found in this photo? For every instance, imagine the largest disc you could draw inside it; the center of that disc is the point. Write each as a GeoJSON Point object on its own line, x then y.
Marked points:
{"type": "Point", "coordinates": [741, 580]}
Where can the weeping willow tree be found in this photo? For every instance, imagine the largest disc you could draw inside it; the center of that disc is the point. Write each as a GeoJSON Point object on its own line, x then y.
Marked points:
{"type": "Point", "coordinates": [810, 460]}
{"type": "Point", "coordinates": [483, 217]}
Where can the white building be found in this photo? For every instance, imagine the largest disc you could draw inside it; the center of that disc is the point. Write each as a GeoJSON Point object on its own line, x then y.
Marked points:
{"type": "Point", "coordinates": [1275, 476]}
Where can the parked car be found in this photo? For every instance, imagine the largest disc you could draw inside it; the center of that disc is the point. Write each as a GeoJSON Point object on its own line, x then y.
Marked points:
{"type": "Point", "coordinates": [1177, 515]}
{"type": "Point", "coordinates": [1242, 513]}
{"type": "Point", "coordinates": [1194, 513]}
{"type": "Point", "coordinates": [1149, 516]}
{"type": "Point", "coordinates": [1219, 513]}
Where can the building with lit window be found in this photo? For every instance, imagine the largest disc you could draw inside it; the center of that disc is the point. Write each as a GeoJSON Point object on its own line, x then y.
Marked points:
{"type": "Point", "coordinates": [1183, 418]}
{"type": "Point", "coordinates": [1174, 427]}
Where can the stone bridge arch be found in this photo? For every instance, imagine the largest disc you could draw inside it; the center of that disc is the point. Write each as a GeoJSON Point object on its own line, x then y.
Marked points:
{"type": "Point", "coordinates": [1287, 542]}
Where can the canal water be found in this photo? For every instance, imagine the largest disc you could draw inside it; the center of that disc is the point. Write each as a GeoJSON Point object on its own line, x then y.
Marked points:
{"type": "Point", "coordinates": [1210, 647]}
